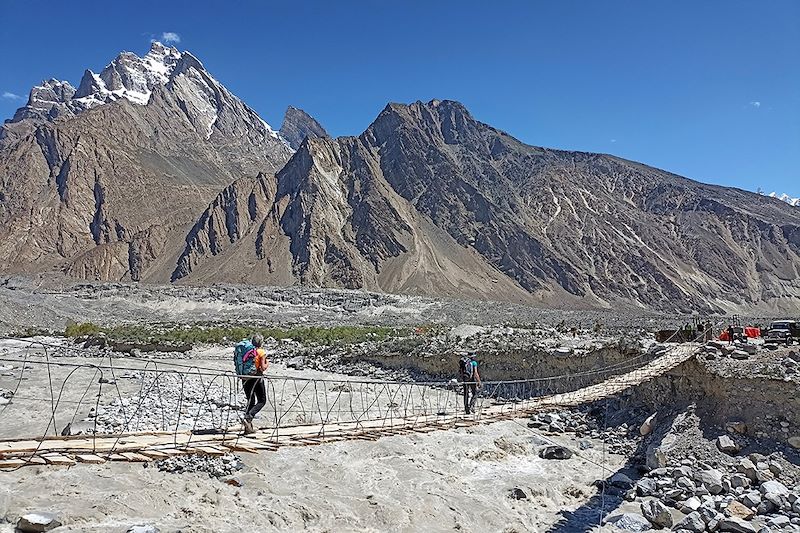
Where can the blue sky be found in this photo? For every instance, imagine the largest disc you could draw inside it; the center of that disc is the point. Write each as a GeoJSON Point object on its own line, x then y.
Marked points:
{"type": "Point", "coordinates": [709, 90]}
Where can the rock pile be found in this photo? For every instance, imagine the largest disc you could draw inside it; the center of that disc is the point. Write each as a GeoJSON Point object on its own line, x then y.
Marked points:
{"type": "Point", "coordinates": [167, 402]}
{"type": "Point", "coordinates": [736, 350]}
{"type": "Point", "coordinates": [749, 496]}
{"type": "Point", "coordinates": [588, 424]}
{"type": "Point", "coordinates": [216, 467]}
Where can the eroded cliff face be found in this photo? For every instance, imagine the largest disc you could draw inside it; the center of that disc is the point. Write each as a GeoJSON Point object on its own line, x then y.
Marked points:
{"type": "Point", "coordinates": [758, 394]}
{"type": "Point", "coordinates": [234, 214]}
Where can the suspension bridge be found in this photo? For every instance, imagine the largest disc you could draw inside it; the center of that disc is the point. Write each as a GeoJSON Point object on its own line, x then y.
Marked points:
{"type": "Point", "coordinates": [181, 408]}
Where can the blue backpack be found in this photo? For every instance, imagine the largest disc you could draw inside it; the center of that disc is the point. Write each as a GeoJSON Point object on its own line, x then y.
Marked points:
{"type": "Point", "coordinates": [244, 358]}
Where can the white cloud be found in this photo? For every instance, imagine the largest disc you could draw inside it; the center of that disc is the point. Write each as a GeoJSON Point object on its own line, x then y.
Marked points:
{"type": "Point", "coordinates": [11, 96]}
{"type": "Point", "coordinates": [170, 37]}
{"type": "Point", "coordinates": [613, 140]}
{"type": "Point", "coordinates": [755, 104]}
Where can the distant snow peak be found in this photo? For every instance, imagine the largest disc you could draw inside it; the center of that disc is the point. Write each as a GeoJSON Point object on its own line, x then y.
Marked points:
{"type": "Point", "coordinates": [134, 78]}
{"type": "Point", "coordinates": [786, 198]}
{"type": "Point", "coordinates": [129, 76]}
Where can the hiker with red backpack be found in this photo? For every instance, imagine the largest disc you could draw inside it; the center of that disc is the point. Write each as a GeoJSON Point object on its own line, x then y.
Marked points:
{"type": "Point", "coordinates": [250, 361]}
{"type": "Point", "coordinates": [468, 371]}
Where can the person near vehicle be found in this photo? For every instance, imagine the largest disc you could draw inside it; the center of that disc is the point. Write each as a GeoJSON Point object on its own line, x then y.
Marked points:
{"type": "Point", "coordinates": [730, 334]}
{"type": "Point", "coordinates": [471, 378]}
{"type": "Point", "coordinates": [251, 363]}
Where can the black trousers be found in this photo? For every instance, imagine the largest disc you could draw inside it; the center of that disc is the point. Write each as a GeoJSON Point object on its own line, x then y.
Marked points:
{"type": "Point", "coordinates": [256, 393]}
{"type": "Point", "coordinates": [469, 403]}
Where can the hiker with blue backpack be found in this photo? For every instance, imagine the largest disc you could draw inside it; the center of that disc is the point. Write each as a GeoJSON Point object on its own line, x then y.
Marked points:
{"type": "Point", "coordinates": [250, 361]}
{"type": "Point", "coordinates": [468, 371]}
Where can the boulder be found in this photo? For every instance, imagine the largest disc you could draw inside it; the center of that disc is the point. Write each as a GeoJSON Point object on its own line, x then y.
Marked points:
{"type": "Point", "coordinates": [735, 525]}
{"type": "Point", "coordinates": [765, 507]}
{"type": "Point", "coordinates": [630, 522]}
{"type": "Point", "coordinates": [657, 513]}
{"type": "Point", "coordinates": [647, 426]}
{"type": "Point", "coordinates": [739, 480]}
{"type": "Point", "coordinates": [736, 426]}
{"type": "Point", "coordinates": [740, 354]}
{"type": "Point", "coordinates": [711, 479]}
{"type": "Point", "coordinates": [751, 499]}
{"type": "Point", "coordinates": [686, 484]}
{"type": "Point", "coordinates": [549, 418]}
{"type": "Point", "coordinates": [708, 512]}
{"type": "Point", "coordinates": [620, 480]}
{"type": "Point", "coordinates": [750, 349]}
{"type": "Point", "coordinates": [646, 487]}
{"type": "Point", "coordinates": [37, 522]}
{"type": "Point", "coordinates": [691, 504]}
{"type": "Point", "coordinates": [774, 487]}
{"type": "Point", "coordinates": [519, 493]}
{"type": "Point", "coordinates": [555, 452]}
{"type": "Point", "coordinates": [779, 521]}
{"type": "Point", "coordinates": [794, 442]}
{"type": "Point", "coordinates": [748, 468]}
{"type": "Point", "coordinates": [778, 501]}
{"type": "Point", "coordinates": [692, 522]}
{"type": "Point", "coordinates": [739, 510]}
{"type": "Point", "coordinates": [727, 445]}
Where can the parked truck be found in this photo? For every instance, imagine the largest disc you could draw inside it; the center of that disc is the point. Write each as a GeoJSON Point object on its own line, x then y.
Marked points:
{"type": "Point", "coordinates": [783, 332]}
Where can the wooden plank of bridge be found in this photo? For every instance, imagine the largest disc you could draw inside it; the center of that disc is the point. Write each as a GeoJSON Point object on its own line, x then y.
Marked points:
{"type": "Point", "coordinates": [33, 460]}
{"type": "Point", "coordinates": [116, 457]}
{"type": "Point", "coordinates": [58, 459]}
{"type": "Point", "coordinates": [12, 463]}
{"type": "Point", "coordinates": [90, 458]}
{"type": "Point", "coordinates": [236, 447]}
{"type": "Point", "coordinates": [18, 446]}
{"type": "Point", "coordinates": [154, 454]}
{"type": "Point", "coordinates": [310, 441]}
{"type": "Point", "coordinates": [209, 450]}
{"type": "Point", "coordinates": [168, 451]}
{"type": "Point", "coordinates": [136, 457]}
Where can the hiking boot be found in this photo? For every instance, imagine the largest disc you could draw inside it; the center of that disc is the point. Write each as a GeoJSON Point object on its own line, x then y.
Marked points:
{"type": "Point", "coordinates": [248, 426]}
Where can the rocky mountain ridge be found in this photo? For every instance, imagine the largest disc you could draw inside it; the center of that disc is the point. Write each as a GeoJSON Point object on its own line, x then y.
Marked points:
{"type": "Point", "coordinates": [430, 201]}
{"type": "Point", "coordinates": [153, 171]}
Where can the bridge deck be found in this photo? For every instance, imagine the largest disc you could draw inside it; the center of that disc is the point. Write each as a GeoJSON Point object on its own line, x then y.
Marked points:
{"type": "Point", "coordinates": [156, 445]}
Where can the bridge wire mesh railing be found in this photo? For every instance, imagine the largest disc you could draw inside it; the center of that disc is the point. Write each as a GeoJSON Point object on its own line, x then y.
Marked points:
{"type": "Point", "coordinates": [180, 398]}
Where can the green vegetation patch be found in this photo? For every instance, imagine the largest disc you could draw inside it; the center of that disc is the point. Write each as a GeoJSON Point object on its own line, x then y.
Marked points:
{"type": "Point", "coordinates": [197, 334]}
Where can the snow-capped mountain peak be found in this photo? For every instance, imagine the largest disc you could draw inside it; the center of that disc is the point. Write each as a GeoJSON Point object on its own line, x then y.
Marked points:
{"type": "Point", "coordinates": [196, 95]}
{"type": "Point", "coordinates": [128, 76]}
{"type": "Point", "coordinates": [786, 198]}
